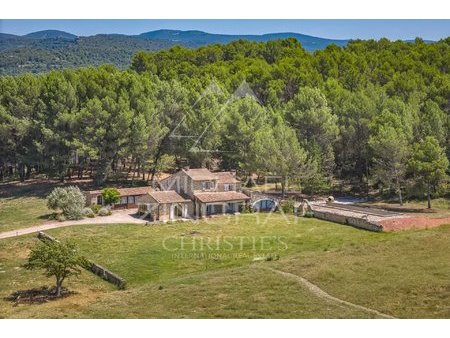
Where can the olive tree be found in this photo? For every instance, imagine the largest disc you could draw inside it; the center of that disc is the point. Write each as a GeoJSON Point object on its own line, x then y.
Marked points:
{"type": "Point", "coordinates": [70, 200]}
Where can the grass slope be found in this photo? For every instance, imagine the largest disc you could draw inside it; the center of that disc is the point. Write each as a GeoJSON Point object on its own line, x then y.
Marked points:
{"type": "Point", "coordinates": [402, 274]}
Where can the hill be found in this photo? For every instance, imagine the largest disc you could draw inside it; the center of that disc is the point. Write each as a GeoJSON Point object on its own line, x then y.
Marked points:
{"type": "Point", "coordinates": [51, 34]}
{"type": "Point", "coordinates": [198, 38]}
{"type": "Point", "coordinates": [46, 50]}
{"type": "Point", "coordinates": [38, 54]}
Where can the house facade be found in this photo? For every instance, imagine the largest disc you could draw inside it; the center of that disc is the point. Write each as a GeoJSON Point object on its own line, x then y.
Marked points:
{"type": "Point", "coordinates": [163, 206]}
{"type": "Point", "coordinates": [128, 197]}
{"type": "Point", "coordinates": [204, 193]}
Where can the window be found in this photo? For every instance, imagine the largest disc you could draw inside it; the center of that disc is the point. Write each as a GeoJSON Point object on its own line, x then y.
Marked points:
{"type": "Point", "coordinates": [206, 185]}
{"type": "Point", "coordinates": [227, 187]}
{"type": "Point", "coordinates": [99, 200]}
{"type": "Point", "coordinates": [131, 199]}
{"type": "Point", "coordinates": [123, 200]}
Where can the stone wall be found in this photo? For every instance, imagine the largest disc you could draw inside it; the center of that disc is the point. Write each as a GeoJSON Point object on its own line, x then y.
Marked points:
{"type": "Point", "coordinates": [106, 274]}
{"type": "Point", "coordinates": [358, 222]}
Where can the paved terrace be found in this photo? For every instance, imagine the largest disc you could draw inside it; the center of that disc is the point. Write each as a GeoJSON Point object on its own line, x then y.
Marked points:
{"type": "Point", "coordinates": [354, 215]}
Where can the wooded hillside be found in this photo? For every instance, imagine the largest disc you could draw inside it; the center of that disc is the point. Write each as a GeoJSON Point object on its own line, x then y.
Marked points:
{"type": "Point", "coordinates": [374, 112]}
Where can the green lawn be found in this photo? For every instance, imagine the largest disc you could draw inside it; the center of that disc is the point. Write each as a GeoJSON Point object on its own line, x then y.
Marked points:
{"type": "Point", "coordinates": [403, 274]}
{"type": "Point", "coordinates": [22, 213]}
{"type": "Point", "coordinates": [23, 205]}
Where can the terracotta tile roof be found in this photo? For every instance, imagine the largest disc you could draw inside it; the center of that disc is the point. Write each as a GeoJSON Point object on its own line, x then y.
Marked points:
{"type": "Point", "coordinates": [200, 174]}
{"type": "Point", "coordinates": [226, 177]}
{"type": "Point", "coordinates": [209, 197]}
{"type": "Point", "coordinates": [169, 196]}
{"type": "Point", "coordinates": [126, 191]}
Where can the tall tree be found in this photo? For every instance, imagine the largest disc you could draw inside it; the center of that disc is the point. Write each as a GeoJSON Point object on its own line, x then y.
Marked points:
{"type": "Point", "coordinates": [277, 150]}
{"type": "Point", "coordinates": [429, 164]}
{"type": "Point", "coordinates": [105, 124]}
{"type": "Point", "coordinates": [391, 151]}
{"type": "Point", "coordinates": [316, 126]}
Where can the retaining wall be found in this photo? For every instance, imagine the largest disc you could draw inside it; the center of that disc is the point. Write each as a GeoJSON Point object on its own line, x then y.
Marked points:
{"type": "Point", "coordinates": [349, 220]}
{"type": "Point", "coordinates": [106, 274]}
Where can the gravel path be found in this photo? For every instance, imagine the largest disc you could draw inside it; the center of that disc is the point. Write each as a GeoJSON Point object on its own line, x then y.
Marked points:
{"type": "Point", "coordinates": [119, 216]}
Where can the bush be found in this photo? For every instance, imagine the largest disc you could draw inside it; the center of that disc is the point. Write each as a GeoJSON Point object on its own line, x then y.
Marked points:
{"type": "Point", "coordinates": [110, 196]}
{"type": "Point", "coordinates": [70, 200]}
{"type": "Point", "coordinates": [288, 206]}
{"type": "Point", "coordinates": [104, 212]}
{"type": "Point", "coordinates": [309, 214]}
{"type": "Point", "coordinates": [60, 218]}
{"type": "Point", "coordinates": [88, 212]}
{"type": "Point", "coordinates": [246, 209]}
{"type": "Point", "coordinates": [53, 216]}
{"type": "Point", "coordinates": [95, 208]}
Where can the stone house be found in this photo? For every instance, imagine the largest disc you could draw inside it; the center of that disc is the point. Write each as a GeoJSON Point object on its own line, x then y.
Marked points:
{"type": "Point", "coordinates": [205, 193]}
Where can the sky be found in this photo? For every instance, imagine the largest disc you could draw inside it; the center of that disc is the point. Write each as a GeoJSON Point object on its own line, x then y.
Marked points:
{"type": "Point", "coordinates": [334, 29]}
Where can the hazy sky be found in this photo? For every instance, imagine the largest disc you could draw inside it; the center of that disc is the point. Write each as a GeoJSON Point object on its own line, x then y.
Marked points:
{"type": "Point", "coordinates": [336, 29]}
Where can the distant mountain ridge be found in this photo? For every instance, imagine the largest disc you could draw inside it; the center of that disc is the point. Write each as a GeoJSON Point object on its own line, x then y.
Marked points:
{"type": "Point", "coordinates": [198, 38]}
{"type": "Point", "coordinates": [45, 50]}
{"type": "Point", "coordinates": [190, 38]}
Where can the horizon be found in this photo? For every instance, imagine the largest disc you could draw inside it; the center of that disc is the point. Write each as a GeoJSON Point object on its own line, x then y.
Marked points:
{"type": "Point", "coordinates": [340, 29]}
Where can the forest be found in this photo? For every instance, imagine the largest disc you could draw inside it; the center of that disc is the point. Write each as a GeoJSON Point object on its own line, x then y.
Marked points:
{"type": "Point", "coordinates": [373, 114]}
{"type": "Point", "coordinates": [24, 54]}
{"type": "Point", "coordinates": [47, 50]}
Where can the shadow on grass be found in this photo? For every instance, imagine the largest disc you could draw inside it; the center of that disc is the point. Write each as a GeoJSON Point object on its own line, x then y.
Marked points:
{"type": "Point", "coordinates": [40, 295]}
{"type": "Point", "coordinates": [42, 187]}
{"type": "Point", "coordinates": [48, 217]}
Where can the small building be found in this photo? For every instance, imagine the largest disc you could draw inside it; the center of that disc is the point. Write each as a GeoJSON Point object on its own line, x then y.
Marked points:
{"type": "Point", "coordinates": [128, 197]}
{"type": "Point", "coordinates": [163, 205]}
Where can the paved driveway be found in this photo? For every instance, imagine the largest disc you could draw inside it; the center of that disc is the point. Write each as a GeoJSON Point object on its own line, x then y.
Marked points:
{"type": "Point", "coordinates": [118, 216]}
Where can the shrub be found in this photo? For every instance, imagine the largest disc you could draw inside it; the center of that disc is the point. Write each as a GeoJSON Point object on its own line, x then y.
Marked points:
{"type": "Point", "coordinates": [250, 183]}
{"type": "Point", "coordinates": [246, 209]}
{"type": "Point", "coordinates": [88, 212]}
{"type": "Point", "coordinates": [95, 208]}
{"type": "Point", "coordinates": [70, 200]}
{"type": "Point", "coordinates": [60, 218]}
{"type": "Point", "coordinates": [309, 214]}
{"type": "Point", "coordinates": [110, 196]}
{"type": "Point", "coordinates": [104, 212]}
{"type": "Point", "coordinates": [53, 216]}
{"type": "Point", "coordinates": [288, 206]}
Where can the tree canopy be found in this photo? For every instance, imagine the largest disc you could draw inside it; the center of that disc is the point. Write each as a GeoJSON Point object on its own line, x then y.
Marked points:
{"type": "Point", "coordinates": [348, 107]}
{"type": "Point", "coordinates": [58, 259]}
